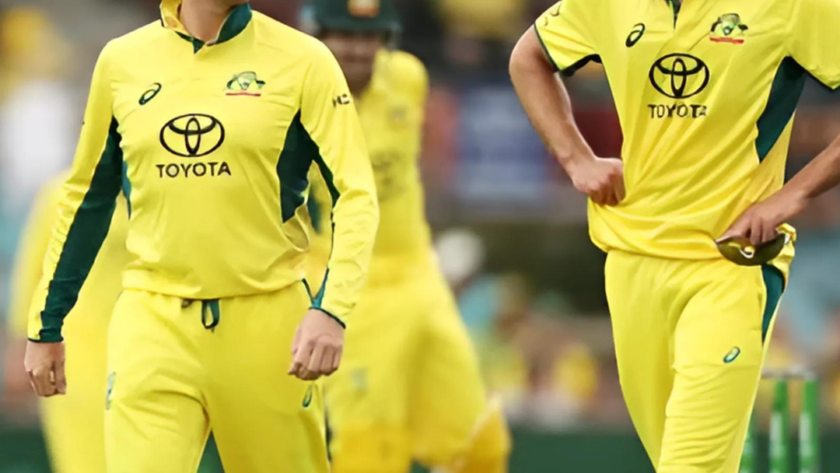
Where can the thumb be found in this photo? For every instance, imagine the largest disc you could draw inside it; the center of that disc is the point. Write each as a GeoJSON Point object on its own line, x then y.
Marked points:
{"type": "Point", "coordinates": [738, 229]}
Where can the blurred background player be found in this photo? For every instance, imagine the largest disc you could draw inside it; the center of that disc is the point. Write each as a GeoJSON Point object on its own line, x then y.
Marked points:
{"type": "Point", "coordinates": [208, 121]}
{"type": "Point", "coordinates": [74, 424]}
{"type": "Point", "coordinates": [410, 387]}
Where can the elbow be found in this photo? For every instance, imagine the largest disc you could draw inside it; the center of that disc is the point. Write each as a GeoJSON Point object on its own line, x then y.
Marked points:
{"type": "Point", "coordinates": [518, 61]}
{"type": "Point", "coordinates": [527, 58]}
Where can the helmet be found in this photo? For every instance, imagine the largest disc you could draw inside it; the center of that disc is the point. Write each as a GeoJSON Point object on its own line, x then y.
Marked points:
{"type": "Point", "coordinates": [356, 16]}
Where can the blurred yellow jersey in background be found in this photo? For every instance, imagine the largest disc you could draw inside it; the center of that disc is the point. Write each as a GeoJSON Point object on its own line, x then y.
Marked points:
{"type": "Point", "coordinates": [392, 111]}
{"type": "Point", "coordinates": [410, 384]}
{"type": "Point", "coordinates": [74, 424]}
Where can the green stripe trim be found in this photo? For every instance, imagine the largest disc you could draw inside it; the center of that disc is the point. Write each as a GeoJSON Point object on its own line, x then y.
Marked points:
{"type": "Point", "coordinates": [774, 283]}
{"type": "Point", "coordinates": [784, 96]}
{"type": "Point", "coordinates": [319, 299]}
{"type": "Point", "coordinates": [84, 238]}
{"type": "Point", "coordinates": [308, 289]}
{"type": "Point", "coordinates": [332, 316]}
{"type": "Point", "coordinates": [545, 49]}
{"type": "Point", "coordinates": [126, 186]}
{"type": "Point", "coordinates": [570, 71]}
{"type": "Point", "coordinates": [299, 152]}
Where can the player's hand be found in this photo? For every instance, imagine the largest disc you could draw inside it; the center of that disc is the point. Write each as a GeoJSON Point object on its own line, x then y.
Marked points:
{"type": "Point", "coordinates": [760, 222]}
{"type": "Point", "coordinates": [44, 362]}
{"type": "Point", "coordinates": [317, 348]}
{"type": "Point", "coordinates": [602, 179]}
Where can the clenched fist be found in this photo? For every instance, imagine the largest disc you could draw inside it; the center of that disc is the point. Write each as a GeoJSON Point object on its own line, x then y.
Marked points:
{"type": "Point", "coordinates": [44, 363]}
{"type": "Point", "coordinates": [602, 179]}
{"type": "Point", "coordinates": [317, 347]}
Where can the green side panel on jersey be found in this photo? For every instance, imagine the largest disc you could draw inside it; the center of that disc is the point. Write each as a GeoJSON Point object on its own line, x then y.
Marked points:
{"type": "Point", "coordinates": [784, 96]}
{"type": "Point", "coordinates": [84, 237]}
{"type": "Point", "coordinates": [315, 214]}
{"type": "Point", "coordinates": [774, 282]}
{"type": "Point", "coordinates": [299, 152]}
{"type": "Point", "coordinates": [329, 179]}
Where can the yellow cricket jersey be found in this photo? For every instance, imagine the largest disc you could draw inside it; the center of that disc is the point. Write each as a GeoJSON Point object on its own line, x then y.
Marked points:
{"type": "Point", "coordinates": [706, 95]}
{"type": "Point", "coordinates": [392, 112]}
{"type": "Point", "coordinates": [211, 144]}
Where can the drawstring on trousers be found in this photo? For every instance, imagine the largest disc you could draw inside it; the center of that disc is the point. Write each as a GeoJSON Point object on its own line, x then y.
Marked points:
{"type": "Point", "coordinates": [211, 306]}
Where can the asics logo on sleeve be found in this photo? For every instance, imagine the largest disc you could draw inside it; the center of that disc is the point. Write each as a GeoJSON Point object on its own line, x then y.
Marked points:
{"type": "Point", "coordinates": [150, 94]}
{"type": "Point", "coordinates": [635, 35]}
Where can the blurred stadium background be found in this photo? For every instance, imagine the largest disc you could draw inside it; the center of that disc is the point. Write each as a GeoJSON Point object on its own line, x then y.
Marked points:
{"type": "Point", "coordinates": [510, 229]}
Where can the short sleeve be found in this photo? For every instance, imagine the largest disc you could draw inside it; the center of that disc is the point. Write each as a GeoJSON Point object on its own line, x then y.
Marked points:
{"type": "Point", "coordinates": [814, 39]}
{"type": "Point", "coordinates": [566, 33]}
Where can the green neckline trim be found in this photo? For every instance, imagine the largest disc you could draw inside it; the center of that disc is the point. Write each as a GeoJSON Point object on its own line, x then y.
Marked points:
{"type": "Point", "coordinates": [236, 22]}
{"type": "Point", "coordinates": [238, 19]}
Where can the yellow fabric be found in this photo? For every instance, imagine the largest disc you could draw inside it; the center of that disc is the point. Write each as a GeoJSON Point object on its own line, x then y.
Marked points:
{"type": "Point", "coordinates": [813, 34]}
{"type": "Point", "coordinates": [408, 366]}
{"type": "Point", "coordinates": [73, 424]}
{"type": "Point", "coordinates": [704, 137]}
{"type": "Point", "coordinates": [171, 378]}
{"type": "Point", "coordinates": [389, 445]}
{"type": "Point", "coordinates": [690, 406]}
{"type": "Point", "coordinates": [409, 369]}
{"type": "Point", "coordinates": [213, 147]}
{"type": "Point", "coordinates": [392, 112]}
{"type": "Point", "coordinates": [490, 446]}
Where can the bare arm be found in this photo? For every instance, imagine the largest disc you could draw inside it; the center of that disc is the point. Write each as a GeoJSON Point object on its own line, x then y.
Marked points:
{"type": "Point", "coordinates": [819, 176]}
{"type": "Point", "coordinates": [548, 106]}
{"type": "Point", "coordinates": [546, 101]}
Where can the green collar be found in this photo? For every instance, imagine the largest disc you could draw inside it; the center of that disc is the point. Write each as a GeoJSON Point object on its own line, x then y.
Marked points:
{"type": "Point", "coordinates": [236, 22]}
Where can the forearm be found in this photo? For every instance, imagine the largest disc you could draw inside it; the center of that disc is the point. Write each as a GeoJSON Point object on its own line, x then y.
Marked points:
{"type": "Point", "coordinates": [355, 220]}
{"type": "Point", "coordinates": [819, 176]}
{"type": "Point", "coordinates": [546, 101]}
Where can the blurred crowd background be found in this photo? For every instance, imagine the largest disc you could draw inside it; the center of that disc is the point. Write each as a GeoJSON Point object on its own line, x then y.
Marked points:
{"type": "Point", "coordinates": [510, 229]}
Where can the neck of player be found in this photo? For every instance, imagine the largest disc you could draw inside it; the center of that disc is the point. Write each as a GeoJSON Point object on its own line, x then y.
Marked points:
{"type": "Point", "coordinates": [203, 19]}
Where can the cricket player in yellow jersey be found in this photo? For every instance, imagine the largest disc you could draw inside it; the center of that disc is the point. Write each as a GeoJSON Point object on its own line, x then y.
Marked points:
{"type": "Point", "coordinates": [74, 425]}
{"type": "Point", "coordinates": [706, 93]}
{"type": "Point", "coordinates": [208, 121]}
{"type": "Point", "coordinates": [410, 386]}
